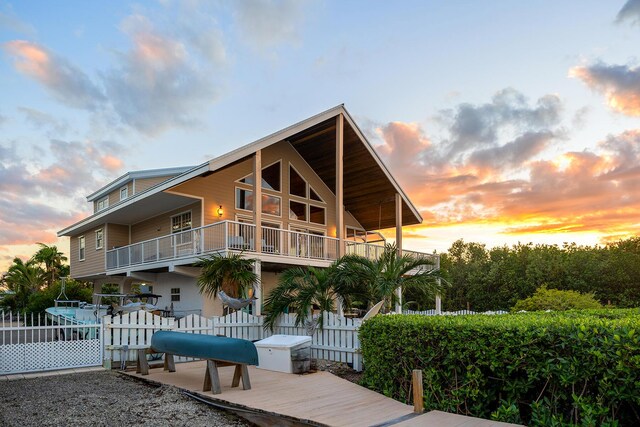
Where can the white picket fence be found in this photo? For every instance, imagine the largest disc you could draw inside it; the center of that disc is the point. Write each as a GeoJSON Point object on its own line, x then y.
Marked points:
{"type": "Point", "coordinates": [337, 341]}
{"type": "Point", "coordinates": [44, 343]}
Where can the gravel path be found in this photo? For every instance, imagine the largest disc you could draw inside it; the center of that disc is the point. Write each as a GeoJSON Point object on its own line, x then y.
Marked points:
{"type": "Point", "coordinates": [102, 398]}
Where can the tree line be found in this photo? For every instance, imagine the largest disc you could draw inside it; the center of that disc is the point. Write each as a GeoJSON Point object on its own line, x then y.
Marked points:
{"type": "Point", "coordinates": [495, 279]}
{"type": "Point", "coordinates": [32, 285]}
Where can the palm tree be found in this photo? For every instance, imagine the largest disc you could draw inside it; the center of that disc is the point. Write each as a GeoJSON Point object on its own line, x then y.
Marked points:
{"type": "Point", "coordinates": [381, 277]}
{"type": "Point", "coordinates": [300, 289]}
{"type": "Point", "coordinates": [52, 260]}
{"type": "Point", "coordinates": [23, 278]}
{"type": "Point", "coordinates": [232, 274]}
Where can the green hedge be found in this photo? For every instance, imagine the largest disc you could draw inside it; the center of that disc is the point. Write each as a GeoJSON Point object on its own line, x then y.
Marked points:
{"type": "Point", "coordinates": [574, 367]}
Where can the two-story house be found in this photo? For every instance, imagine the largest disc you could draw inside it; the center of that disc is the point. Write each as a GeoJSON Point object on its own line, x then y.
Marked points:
{"type": "Point", "coordinates": [304, 195]}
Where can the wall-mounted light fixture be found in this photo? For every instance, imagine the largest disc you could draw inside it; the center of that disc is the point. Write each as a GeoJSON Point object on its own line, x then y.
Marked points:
{"type": "Point", "coordinates": [220, 212]}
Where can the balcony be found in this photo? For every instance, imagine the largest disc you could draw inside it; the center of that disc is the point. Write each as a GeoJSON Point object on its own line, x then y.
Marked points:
{"type": "Point", "coordinates": [225, 236]}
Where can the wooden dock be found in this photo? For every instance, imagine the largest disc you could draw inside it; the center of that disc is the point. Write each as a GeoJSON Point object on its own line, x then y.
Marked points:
{"type": "Point", "coordinates": [320, 398]}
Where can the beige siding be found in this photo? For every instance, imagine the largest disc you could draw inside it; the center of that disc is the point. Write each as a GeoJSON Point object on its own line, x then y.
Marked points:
{"type": "Point", "coordinates": [114, 196]}
{"type": "Point", "coordinates": [161, 224]}
{"type": "Point", "coordinates": [117, 235]}
{"type": "Point", "coordinates": [219, 189]}
{"type": "Point", "coordinates": [146, 183]}
{"type": "Point", "coordinates": [94, 262]}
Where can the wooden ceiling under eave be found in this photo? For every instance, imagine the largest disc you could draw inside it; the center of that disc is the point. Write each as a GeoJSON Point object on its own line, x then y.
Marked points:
{"type": "Point", "coordinates": [369, 195]}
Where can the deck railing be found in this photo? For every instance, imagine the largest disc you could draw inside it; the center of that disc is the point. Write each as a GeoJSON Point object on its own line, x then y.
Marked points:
{"type": "Point", "coordinates": [238, 236]}
{"type": "Point", "coordinates": [223, 236]}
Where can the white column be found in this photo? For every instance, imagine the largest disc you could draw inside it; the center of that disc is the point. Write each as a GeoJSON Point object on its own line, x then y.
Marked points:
{"type": "Point", "coordinates": [257, 200]}
{"type": "Point", "coordinates": [340, 184]}
{"type": "Point", "coordinates": [257, 304]}
{"type": "Point", "coordinates": [398, 212]}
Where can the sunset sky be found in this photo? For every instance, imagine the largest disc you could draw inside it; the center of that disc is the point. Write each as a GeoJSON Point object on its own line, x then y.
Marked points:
{"type": "Point", "coordinates": [505, 121]}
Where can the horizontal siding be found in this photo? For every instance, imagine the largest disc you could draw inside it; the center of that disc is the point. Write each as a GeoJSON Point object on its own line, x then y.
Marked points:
{"type": "Point", "coordinates": [146, 183]}
{"type": "Point", "coordinates": [161, 225]}
{"type": "Point", "coordinates": [94, 262]}
{"type": "Point", "coordinates": [117, 235]}
{"type": "Point", "coordinates": [114, 196]}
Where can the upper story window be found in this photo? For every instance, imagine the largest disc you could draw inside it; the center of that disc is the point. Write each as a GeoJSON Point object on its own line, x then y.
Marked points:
{"type": "Point", "coordinates": [271, 205]}
{"type": "Point", "coordinates": [102, 204]}
{"type": "Point", "coordinates": [181, 222]}
{"type": "Point", "coordinates": [314, 196]}
{"type": "Point", "coordinates": [124, 192]}
{"type": "Point", "coordinates": [175, 294]}
{"type": "Point", "coordinates": [99, 239]}
{"type": "Point", "coordinates": [271, 177]}
{"type": "Point", "coordinates": [81, 248]}
{"type": "Point", "coordinates": [297, 184]}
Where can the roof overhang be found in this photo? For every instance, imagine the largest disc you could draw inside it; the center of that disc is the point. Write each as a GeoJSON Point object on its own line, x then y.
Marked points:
{"type": "Point", "coordinates": [141, 205]}
{"type": "Point", "coordinates": [142, 174]}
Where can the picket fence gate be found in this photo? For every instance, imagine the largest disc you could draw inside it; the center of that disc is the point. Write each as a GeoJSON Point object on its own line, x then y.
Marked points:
{"type": "Point", "coordinates": [38, 343]}
{"type": "Point", "coordinates": [337, 341]}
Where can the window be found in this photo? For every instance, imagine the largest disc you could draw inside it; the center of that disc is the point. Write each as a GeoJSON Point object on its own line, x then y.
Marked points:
{"type": "Point", "coordinates": [270, 177]}
{"type": "Point", "coordinates": [316, 214]}
{"type": "Point", "coordinates": [175, 294]}
{"type": "Point", "coordinates": [297, 211]}
{"type": "Point", "coordinates": [81, 248]}
{"type": "Point", "coordinates": [102, 204]}
{"type": "Point", "coordinates": [314, 196]}
{"type": "Point", "coordinates": [124, 192]}
{"type": "Point", "coordinates": [244, 199]}
{"type": "Point", "coordinates": [270, 205]}
{"type": "Point", "coordinates": [99, 239]}
{"type": "Point", "coordinates": [297, 185]}
{"type": "Point", "coordinates": [179, 224]}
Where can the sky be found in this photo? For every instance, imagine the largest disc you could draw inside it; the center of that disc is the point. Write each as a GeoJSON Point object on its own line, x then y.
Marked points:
{"type": "Point", "coordinates": [504, 121]}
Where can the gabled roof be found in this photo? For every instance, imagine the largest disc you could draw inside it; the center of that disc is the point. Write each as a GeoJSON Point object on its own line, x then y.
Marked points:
{"type": "Point", "coordinates": [141, 174]}
{"type": "Point", "coordinates": [369, 186]}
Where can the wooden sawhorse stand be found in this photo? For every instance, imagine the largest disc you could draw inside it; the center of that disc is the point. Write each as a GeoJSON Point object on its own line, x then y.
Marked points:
{"type": "Point", "coordinates": [211, 377]}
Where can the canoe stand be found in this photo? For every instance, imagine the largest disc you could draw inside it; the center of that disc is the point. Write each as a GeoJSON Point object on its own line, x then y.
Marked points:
{"type": "Point", "coordinates": [211, 377]}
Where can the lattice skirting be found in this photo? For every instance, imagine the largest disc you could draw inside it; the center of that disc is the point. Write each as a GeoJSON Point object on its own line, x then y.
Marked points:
{"type": "Point", "coordinates": [44, 356]}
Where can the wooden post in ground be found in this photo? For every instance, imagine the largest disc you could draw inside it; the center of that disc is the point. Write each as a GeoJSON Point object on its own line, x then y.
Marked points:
{"type": "Point", "coordinates": [418, 399]}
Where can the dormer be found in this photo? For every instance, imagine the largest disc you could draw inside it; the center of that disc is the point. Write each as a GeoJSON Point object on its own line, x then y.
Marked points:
{"type": "Point", "coordinates": [131, 183]}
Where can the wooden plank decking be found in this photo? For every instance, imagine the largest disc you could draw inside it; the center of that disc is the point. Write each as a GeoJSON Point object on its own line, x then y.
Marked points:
{"type": "Point", "coordinates": [320, 397]}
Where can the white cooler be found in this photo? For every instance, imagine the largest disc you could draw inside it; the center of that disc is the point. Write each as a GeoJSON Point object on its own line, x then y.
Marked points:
{"type": "Point", "coordinates": [284, 353]}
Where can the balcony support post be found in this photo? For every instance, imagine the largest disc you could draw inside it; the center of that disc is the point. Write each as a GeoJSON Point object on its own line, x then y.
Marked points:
{"type": "Point", "coordinates": [399, 246]}
{"type": "Point", "coordinates": [257, 201]}
{"type": "Point", "coordinates": [340, 183]}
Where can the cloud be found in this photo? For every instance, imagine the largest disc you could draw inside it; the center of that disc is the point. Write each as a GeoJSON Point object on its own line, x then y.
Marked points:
{"type": "Point", "coordinates": [513, 179]}
{"type": "Point", "coordinates": [10, 23]}
{"type": "Point", "coordinates": [268, 23]}
{"type": "Point", "coordinates": [620, 84]}
{"type": "Point", "coordinates": [65, 82]}
{"type": "Point", "coordinates": [158, 84]}
{"type": "Point", "coordinates": [630, 12]}
{"type": "Point", "coordinates": [509, 110]}
{"type": "Point", "coordinates": [38, 199]}
{"type": "Point", "coordinates": [43, 121]}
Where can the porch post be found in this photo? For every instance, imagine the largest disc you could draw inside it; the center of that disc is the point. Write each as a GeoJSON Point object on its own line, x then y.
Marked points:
{"type": "Point", "coordinates": [399, 245]}
{"type": "Point", "coordinates": [257, 304]}
{"type": "Point", "coordinates": [340, 184]}
{"type": "Point", "coordinates": [257, 201]}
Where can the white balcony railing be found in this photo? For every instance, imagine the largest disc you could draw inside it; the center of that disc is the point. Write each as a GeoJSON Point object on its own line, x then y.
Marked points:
{"type": "Point", "coordinates": [236, 236]}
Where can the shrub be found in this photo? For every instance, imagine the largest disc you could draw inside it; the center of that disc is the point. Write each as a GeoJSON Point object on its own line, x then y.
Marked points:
{"type": "Point", "coordinates": [555, 299]}
{"type": "Point", "coordinates": [540, 368]}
